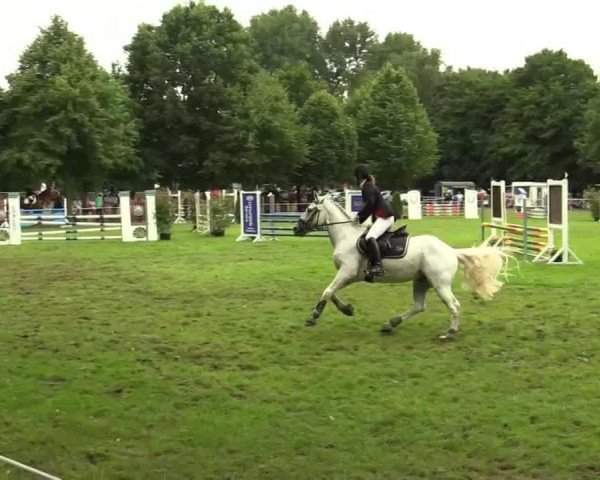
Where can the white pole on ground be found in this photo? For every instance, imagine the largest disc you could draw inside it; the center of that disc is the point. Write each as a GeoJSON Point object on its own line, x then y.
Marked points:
{"type": "Point", "coordinates": [27, 468]}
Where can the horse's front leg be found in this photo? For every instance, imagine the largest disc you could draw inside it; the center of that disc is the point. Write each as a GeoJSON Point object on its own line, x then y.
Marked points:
{"type": "Point", "coordinates": [345, 308]}
{"type": "Point", "coordinates": [344, 277]}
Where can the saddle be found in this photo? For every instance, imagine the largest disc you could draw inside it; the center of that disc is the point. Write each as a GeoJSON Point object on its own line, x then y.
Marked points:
{"type": "Point", "coordinates": [392, 244]}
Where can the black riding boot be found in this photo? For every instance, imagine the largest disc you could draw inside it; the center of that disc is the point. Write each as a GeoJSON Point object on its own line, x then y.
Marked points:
{"type": "Point", "coordinates": [376, 268]}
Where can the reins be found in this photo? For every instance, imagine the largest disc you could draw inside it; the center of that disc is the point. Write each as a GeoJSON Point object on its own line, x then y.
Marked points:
{"type": "Point", "coordinates": [336, 223]}
{"type": "Point", "coordinates": [323, 226]}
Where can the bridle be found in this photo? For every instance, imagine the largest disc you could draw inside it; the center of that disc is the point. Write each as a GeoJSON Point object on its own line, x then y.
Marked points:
{"type": "Point", "coordinates": [311, 224]}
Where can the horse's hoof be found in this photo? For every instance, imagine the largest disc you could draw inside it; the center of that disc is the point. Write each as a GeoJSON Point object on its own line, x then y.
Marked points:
{"type": "Point", "coordinates": [311, 323]}
{"type": "Point", "coordinates": [387, 328]}
{"type": "Point", "coordinates": [448, 337]}
{"type": "Point", "coordinates": [348, 310]}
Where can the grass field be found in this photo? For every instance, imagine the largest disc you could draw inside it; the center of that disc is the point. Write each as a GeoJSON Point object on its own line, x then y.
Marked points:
{"type": "Point", "coordinates": [189, 359]}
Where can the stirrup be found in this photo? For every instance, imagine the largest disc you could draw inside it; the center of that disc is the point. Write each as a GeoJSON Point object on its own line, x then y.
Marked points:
{"type": "Point", "coordinates": [376, 271]}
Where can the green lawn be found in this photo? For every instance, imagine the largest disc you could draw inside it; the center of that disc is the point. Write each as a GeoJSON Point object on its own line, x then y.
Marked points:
{"type": "Point", "coordinates": [189, 359]}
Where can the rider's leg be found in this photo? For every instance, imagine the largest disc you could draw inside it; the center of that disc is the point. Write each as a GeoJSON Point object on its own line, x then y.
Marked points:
{"type": "Point", "coordinates": [380, 226]}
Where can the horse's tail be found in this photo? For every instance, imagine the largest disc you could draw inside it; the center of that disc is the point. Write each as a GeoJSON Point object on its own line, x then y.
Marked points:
{"type": "Point", "coordinates": [482, 267]}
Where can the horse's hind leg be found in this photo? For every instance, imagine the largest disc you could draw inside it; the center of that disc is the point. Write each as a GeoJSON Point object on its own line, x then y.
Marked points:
{"type": "Point", "coordinates": [446, 295]}
{"type": "Point", "coordinates": [420, 287]}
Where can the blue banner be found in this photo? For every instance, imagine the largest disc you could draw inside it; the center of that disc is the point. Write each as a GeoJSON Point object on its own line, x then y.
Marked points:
{"type": "Point", "coordinates": [356, 203]}
{"type": "Point", "coordinates": [250, 204]}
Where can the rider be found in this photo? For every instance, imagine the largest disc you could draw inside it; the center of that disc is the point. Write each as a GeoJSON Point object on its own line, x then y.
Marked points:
{"type": "Point", "coordinates": [377, 208]}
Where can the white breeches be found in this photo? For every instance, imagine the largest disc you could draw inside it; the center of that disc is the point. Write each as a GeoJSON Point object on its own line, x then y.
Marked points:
{"type": "Point", "coordinates": [380, 226]}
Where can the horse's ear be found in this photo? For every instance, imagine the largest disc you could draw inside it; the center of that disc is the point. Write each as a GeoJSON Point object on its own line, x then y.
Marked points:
{"type": "Point", "coordinates": [316, 196]}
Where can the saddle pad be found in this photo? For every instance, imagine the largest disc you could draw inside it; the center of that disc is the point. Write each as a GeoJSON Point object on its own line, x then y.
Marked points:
{"type": "Point", "coordinates": [390, 245]}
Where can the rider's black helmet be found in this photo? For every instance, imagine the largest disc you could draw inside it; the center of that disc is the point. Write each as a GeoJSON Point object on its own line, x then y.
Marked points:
{"type": "Point", "coordinates": [361, 173]}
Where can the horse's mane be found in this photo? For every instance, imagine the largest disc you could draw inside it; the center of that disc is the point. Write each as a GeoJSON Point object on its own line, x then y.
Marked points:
{"type": "Point", "coordinates": [339, 207]}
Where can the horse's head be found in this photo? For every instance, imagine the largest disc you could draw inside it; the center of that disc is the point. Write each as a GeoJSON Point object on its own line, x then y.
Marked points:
{"type": "Point", "coordinates": [312, 218]}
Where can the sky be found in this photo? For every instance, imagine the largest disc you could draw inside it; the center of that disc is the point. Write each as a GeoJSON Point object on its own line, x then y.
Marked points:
{"type": "Point", "coordinates": [491, 34]}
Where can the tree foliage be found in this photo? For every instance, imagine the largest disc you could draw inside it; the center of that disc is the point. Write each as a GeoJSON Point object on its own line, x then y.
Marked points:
{"type": "Point", "coordinates": [536, 132]}
{"type": "Point", "coordinates": [299, 82]}
{"type": "Point", "coordinates": [203, 102]}
{"type": "Point", "coordinates": [421, 65]}
{"type": "Point", "coordinates": [346, 46]}
{"type": "Point", "coordinates": [394, 132]}
{"type": "Point", "coordinates": [277, 137]}
{"type": "Point", "coordinates": [464, 109]}
{"type": "Point", "coordinates": [64, 118]}
{"type": "Point", "coordinates": [187, 76]}
{"type": "Point", "coordinates": [286, 37]}
{"type": "Point", "coordinates": [332, 141]}
{"type": "Point", "coordinates": [588, 142]}
{"type": "Point", "coordinates": [273, 137]}
{"type": "Point", "coordinates": [2, 125]}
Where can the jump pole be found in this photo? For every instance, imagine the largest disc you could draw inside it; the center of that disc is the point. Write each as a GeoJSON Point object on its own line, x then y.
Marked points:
{"type": "Point", "coordinates": [27, 468]}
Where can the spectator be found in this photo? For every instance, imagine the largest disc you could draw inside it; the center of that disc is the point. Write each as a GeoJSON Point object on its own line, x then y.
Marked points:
{"type": "Point", "coordinates": [99, 203]}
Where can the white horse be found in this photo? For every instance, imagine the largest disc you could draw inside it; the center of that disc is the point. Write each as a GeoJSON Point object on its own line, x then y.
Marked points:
{"type": "Point", "coordinates": [428, 263]}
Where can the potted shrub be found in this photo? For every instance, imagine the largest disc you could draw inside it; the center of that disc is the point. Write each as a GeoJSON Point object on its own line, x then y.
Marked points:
{"type": "Point", "coordinates": [592, 197]}
{"type": "Point", "coordinates": [165, 215]}
{"type": "Point", "coordinates": [397, 206]}
{"type": "Point", "coordinates": [220, 210]}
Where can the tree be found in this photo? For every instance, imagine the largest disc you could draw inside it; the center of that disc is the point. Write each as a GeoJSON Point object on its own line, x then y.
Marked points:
{"type": "Point", "coordinates": [346, 46]}
{"type": "Point", "coordinates": [275, 140]}
{"type": "Point", "coordinates": [332, 140]}
{"type": "Point", "coordinates": [421, 65]}
{"type": "Point", "coordinates": [394, 132]}
{"type": "Point", "coordinates": [535, 135]}
{"type": "Point", "coordinates": [299, 82]}
{"type": "Point", "coordinates": [285, 37]}
{"type": "Point", "coordinates": [588, 143]}
{"type": "Point", "coordinates": [188, 77]}
{"type": "Point", "coordinates": [465, 107]}
{"type": "Point", "coordinates": [357, 98]}
{"type": "Point", "coordinates": [65, 119]}
{"type": "Point", "coordinates": [2, 107]}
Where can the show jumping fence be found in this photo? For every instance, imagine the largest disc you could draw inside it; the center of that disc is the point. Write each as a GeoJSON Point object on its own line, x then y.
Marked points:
{"type": "Point", "coordinates": [204, 213]}
{"type": "Point", "coordinates": [549, 244]}
{"type": "Point", "coordinates": [132, 221]}
{"type": "Point", "coordinates": [530, 198]}
{"type": "Point", "coordinates": [275, 223]}
{"type": "Point", "coordinates": [262, 220]}
{"type": "Point", "coordinates": [438, 207]}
